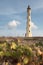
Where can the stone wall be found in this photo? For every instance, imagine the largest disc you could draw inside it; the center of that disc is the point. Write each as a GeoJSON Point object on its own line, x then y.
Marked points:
{"type": "Point", "coordinates": [29, 40]}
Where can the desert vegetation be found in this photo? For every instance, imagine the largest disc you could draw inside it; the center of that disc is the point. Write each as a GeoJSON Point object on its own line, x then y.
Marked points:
{"type": "Point", "coordinates": [11, 53]}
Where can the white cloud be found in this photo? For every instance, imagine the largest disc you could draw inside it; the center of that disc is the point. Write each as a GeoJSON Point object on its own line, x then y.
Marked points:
{"type": "Point", "coordinates": [33, 25]}
{"type": "Point", "coordinates": [13, 23]}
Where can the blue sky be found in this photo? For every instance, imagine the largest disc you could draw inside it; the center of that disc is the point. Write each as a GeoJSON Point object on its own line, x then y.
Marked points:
{"type": "Point", "coordinates": [13, 17]}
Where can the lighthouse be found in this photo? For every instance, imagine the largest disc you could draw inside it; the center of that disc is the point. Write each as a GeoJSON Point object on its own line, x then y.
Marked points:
{"type": "Point", "coordinates": [28, 23]}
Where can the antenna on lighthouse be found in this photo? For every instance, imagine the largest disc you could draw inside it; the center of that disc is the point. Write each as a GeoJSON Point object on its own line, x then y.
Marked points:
{"type": "Point", "coordinates": [28, 24]}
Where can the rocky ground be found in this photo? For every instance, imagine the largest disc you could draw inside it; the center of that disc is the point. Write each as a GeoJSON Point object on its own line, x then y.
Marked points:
{"type": "Point", "coordinates": [11, 53]}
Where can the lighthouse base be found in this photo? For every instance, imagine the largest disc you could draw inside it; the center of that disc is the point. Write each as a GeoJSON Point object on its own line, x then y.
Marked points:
{"type": "Point", "coordinates": [28, 35]}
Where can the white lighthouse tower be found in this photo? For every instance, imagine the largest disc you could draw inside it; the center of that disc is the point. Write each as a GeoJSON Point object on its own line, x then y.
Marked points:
{"type": "Point", "coordinates": [28, 25]}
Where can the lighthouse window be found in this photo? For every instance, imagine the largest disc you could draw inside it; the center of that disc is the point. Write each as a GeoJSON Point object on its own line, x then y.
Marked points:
{"type": "Point", "coordinates": [29, 31]}
{"type": "Point", "coordinates": [29, 25]}
{"type": "Point", "coordinates": [29, 14]}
